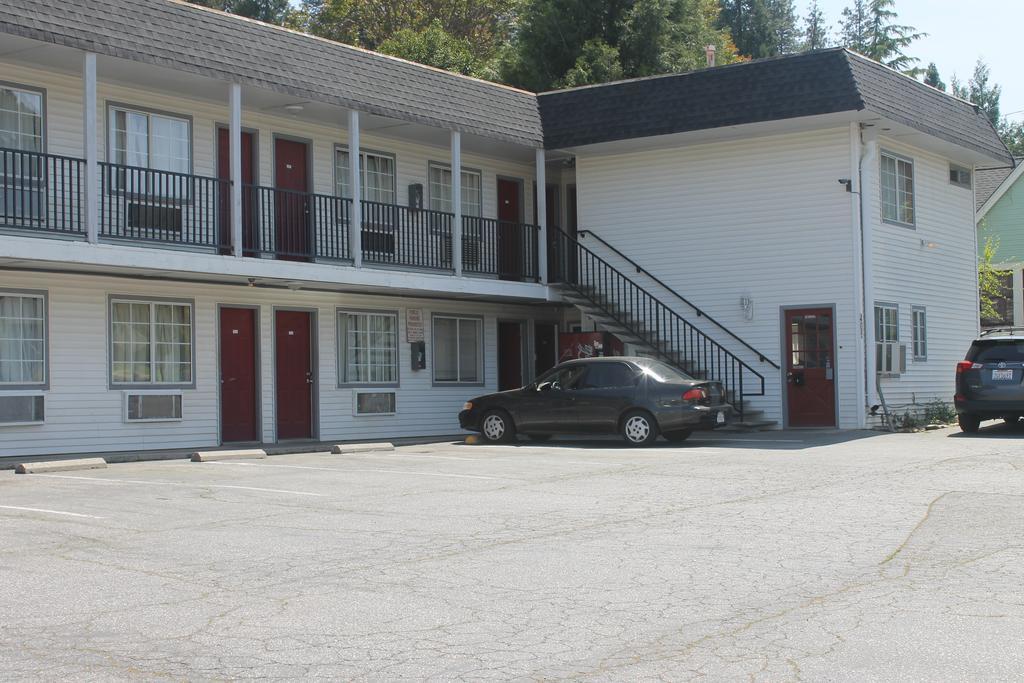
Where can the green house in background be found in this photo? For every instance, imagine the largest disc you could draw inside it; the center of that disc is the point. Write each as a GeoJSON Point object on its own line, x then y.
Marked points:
{"type": "Point", "coordinates": [999, 193]}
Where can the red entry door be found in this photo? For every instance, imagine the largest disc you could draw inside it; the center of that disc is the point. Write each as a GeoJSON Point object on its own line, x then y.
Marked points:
{"type": "Point", "coordinates": [294, 374]}
{"type": "Point", "coordinates": [238, 375]}
{"type": "Point", "coordinates": [810, 368]}
{"type": "Point", "coordinates": [291, 203]}
{"type": "Point", "coordinates": [248, 178]}
{"type": "Point", "coordinates": [511, 234]}
{"type": "Point", "coordinates": [510, 356]}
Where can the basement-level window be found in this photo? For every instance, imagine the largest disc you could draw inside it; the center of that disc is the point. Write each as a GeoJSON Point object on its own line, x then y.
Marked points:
{"type": "Point", "coordinates": [897, 189]}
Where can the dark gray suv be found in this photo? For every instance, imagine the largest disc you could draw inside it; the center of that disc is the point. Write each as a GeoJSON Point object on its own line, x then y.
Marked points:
{"type": "Point", "coordinates": [990, 382]}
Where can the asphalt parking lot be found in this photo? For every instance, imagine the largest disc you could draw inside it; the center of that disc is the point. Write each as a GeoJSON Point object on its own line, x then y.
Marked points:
{"type": "Point", "coordinates": [772, 557]}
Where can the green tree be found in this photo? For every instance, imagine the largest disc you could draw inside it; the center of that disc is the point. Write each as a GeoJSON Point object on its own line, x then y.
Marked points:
{"type": "Point", "coordinates": [761, 28]}
{"type": "Point", "coordinates": [561, 42]}
{"type": "Point", "coordinates": [1013, 136]}
{"type": "Point", "coordinates": [270, 11]}
{"type": "Point", "coordinates": [483, 24]}
{"type": "Point", "coordinates": [436, 47]}
{"type": "Point", "coordinates": [991, 281]}
{"type": "Point", "coordinates": [980, 92]}
{"type": "Point", "coordinates": [816, 32]}
{"type": "Point", "coordinates": [869, 27]}
{"type": "Point", "coordinates": [932, 78]}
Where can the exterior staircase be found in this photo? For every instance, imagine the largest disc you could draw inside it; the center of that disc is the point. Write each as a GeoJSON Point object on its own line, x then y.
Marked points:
{"type": "Point", "coordinates": [622, 307]}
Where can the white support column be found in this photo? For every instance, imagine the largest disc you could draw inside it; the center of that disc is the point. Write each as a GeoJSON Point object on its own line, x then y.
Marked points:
{"type": "Point", "coordinates": [457, 202]}
{"type": "Point", "coordinates": [542, 216]}
{"type": "Point", "coordinates": [356, 184]}
{"type": "Point", "coordinates": [235, 152]}
{"type": "Point", "coordinates": [89, 137]}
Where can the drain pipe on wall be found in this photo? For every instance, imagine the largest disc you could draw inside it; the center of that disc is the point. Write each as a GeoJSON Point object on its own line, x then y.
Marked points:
{"type": "Point", "coordinates": [857, 251]}
{"type": "Point", "coordinates": [866, 174]}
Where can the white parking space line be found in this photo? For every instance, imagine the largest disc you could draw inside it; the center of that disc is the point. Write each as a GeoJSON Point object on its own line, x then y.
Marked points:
{"type": "Point", "coordinates": [346, 470]}
{"type": "Point", "coordinates": [49, 512]}
{"type": "Point", "coordinates": [759, 441]}
{"type": "Point", "coordinates": [181, 484]}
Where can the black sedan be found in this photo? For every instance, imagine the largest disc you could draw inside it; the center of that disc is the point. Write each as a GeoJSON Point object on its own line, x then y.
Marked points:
{"type": "Point", "coordinates": [638, 398]}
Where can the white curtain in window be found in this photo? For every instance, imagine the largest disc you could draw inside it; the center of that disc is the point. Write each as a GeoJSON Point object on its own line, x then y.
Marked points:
{"type": "Point", "coordinates": [369, 347]}
{"type": "Point", "coordinates": [469, 350]}
{"type": "Point", "coordinates": [22, 340]}
{"type": "Point", "coordinates": [21, 120]}
{"type": "Point", "coordinates": [440, 188]}
{"type": "Point", "coordinates": [377, 172]}
{"type": "Point", "coordinates": [151, 343]}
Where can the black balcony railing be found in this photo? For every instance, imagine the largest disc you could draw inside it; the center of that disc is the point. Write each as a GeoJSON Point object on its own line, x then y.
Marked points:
{"type": "Point", "coordinates": [400, 236]}
{"type": "Point", "coordinates": [502, 248]}
{"type": "Point", "coordinates": [161, 206]}
{"type": "Point", "coordinates": [295, 225]}
{"type": "Point", "coordinates": [41, 192]}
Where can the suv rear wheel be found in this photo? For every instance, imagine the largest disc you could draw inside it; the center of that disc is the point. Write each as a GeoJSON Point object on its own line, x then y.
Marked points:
{"type": "Point", "coordinates": [969, 423]}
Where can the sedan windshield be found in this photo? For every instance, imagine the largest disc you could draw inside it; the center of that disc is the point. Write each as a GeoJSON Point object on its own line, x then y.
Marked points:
{"type": "Point", "coordinates": [662, 372]}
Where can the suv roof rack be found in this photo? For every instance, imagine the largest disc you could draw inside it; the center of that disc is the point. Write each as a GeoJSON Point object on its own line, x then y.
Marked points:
{"type": "Point", "coordinates": [1011, 331]}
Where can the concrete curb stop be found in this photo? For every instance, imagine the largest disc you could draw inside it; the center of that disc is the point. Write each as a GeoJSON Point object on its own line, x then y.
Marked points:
{"type": "Point", "coordinates": [343, 448]}
{"type": "Point", "coordinates": [61, 466]}
{"type": "Point", "coordinates": [244, 454]}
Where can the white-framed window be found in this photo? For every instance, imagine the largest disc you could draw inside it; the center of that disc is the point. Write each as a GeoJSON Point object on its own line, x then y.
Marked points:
{"type": "Point", "coordinates": [458, 350]}
{"type": "Point", "coordinates": [960, 176]}
{"type": "Point", "coordinates": [161, 142]}
{"type": "Point", "coordinates": [22, 339]}
{"type": "Point", "coordinates": [919, 318]}
{"type": "Point", "coordinates": [367, 348]}
{"type": "Point", "coordinates": [21, 119]}
{"type": "Point", "coordinates": [377, 172]}
{"type": "Point", "coordinates": [150, 343]}
{"type": "Point", "coordinates": [21, 175]}
{"type": "Point", "coordinates": [897, 189]}
{"type": "Point", "coordinates": [887, 337]}
{"type": "Point", "coordinates": [440, 190]}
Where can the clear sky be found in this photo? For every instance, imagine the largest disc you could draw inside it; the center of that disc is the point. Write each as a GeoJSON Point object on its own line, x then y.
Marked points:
{"type": "Point", "coordinates": [960, 31]}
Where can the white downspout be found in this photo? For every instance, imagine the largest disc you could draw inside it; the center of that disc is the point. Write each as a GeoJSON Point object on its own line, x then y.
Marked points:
{"type": "Point", "coordinates": [868, 172]}
{"type": "Point", "coordinates": [856, 225]}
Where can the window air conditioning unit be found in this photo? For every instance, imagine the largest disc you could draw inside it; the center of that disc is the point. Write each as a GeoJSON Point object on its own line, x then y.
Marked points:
{"type": "Point", "coordinates": [891, 359]}
{"type": "Point", "coordinates": [374, 403]}
{"type": "Point", "coordinates": [141, 406]}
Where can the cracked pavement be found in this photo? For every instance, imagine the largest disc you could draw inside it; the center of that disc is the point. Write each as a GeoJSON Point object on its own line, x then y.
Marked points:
{"type": "Point", "coordinates": [766, 557]}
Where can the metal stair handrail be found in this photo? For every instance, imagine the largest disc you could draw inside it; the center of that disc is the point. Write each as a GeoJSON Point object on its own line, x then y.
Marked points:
{"type": "Point", "coordinates": [701, 313]}
{"type": "Point", "coordinates": [671, 336]}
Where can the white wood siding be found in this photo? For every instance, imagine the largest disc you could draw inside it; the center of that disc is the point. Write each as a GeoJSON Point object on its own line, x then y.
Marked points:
{"type": "Point", "coordinates": [762, 217]}
{"type": "Point", "coordinates": [83, 415]}
{"type": "Point", "coordinates": [940, 274]}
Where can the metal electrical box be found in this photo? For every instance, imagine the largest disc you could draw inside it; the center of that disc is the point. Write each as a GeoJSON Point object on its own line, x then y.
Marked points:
{"type": "Point", "coordinates": [416, 197]}
{"type": "Point", "coordinates": [418, 351]}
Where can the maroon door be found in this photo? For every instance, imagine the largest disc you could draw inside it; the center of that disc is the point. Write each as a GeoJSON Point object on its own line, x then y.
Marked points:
{"type": "Point", "coordinates": [810, 368]}
{"type": "Point", "coordinates": [291, 202]}
{"type": "Point", "coordinates": [511, 235]}
{"type": "Point", "coordinates": [545, 347]}
{"type": "Point", "coordinates": [293, 374]}
{"type": "Point", "coordinates": [510, 356]}
{"type": "Point", "coordinates": [248, 178]}
{"type": "Point", "coordinates": [238, 375]}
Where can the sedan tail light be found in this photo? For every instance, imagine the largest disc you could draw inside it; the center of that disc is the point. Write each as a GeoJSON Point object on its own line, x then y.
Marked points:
{"type": "Point", "coordinates": [695, 395]}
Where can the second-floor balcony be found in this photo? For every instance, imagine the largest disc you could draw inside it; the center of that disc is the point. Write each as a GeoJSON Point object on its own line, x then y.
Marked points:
{"type": "Point", "coordinates": [46, 194]}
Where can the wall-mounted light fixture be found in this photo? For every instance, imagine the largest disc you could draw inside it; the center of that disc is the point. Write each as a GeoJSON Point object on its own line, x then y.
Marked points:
{"type": "Point", "coordinates": [929, 245]}
{"type": "Point", "coordinates": [747, 304]}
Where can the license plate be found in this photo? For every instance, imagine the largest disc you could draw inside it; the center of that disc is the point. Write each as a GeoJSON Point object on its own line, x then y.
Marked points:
{"type": "Point", "coordinates": [721, 418]}
{"type": "Point", "coordinates": [1002, 375]}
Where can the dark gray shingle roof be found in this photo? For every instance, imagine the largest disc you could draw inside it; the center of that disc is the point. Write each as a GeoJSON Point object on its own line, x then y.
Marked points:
{"type": "Point", "coordinates": [987, 181]}
{"type": "Point", "coordinates": [184, 37]}
{"type": "Point", "coordinates": [809, 84]}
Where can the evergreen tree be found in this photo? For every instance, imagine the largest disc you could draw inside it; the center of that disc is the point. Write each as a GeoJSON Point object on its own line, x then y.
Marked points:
{"type": "Point", "coordinates": [573, 42]}
{"type": "Point", "coordinates": [932, 78]}
{"type": "Point", "coordinates": [981, 93]}
{"type": "Point", "coordinates": [761, 28]}
{"type": "Point", "coordinates": [816, 31]}
{"type": "Point", "coordinates": [869, 27]}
